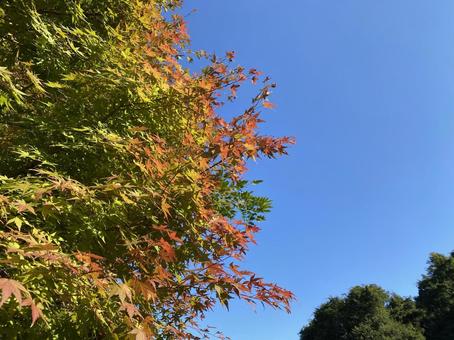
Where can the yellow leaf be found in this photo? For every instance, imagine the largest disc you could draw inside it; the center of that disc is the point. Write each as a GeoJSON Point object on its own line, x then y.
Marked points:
{"type": "Point", "coordinates": [55, 85]}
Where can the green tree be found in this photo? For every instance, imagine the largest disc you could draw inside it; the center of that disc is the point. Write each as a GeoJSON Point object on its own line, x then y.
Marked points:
{"type": "Point", "coordinates": [404, 310]}
{"type": "Point", "coordinates": [436, 297]}
{"type": "Point", "coordinates": [366, 312]}
{"type": "Point", "coordinates": [122, 208]}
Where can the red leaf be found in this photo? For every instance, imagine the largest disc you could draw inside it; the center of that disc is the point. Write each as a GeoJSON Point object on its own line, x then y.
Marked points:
{"type": "Point", "coordinates": [169, 253]}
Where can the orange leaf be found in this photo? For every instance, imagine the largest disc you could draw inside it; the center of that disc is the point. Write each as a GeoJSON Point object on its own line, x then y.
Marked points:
{"type": "Point", "coordinates": [269, 105]}
{"type": "Point", "coordinates": [165, 208]}
{"type": "Point", "coordinates": [169, 252]}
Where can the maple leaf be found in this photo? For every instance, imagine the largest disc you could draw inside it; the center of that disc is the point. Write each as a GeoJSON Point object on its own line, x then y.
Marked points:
{"type": "Point", "coordinates": [36, 311]}
{"type": "Point", "coordinates": [140, 334]}
{"type": "Point", "coordinates": [11, 287]}
{"type": "Point", "coordinates": [23, 206]}
{"type": "Point", "coordinates": [130, 309]}
{"type": "Point", "coordinates": [268, 105]}
{"type": "Point", "coordinates": [123, 291]}
{"type": "Point", "coordinates": [169, 252]}
{"type": "Point", "coordinates": [147, 289]}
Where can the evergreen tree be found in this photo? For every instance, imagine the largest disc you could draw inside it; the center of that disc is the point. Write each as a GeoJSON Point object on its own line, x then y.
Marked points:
{"type": "Point", "coordinates": [436, 297]}
{"type": "Point", "coordinates": [365, 313]}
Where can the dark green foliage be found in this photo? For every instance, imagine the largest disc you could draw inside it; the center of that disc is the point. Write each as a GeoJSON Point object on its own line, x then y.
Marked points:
{"type": "Point", "coordinates": [368, 312]}
{"type": "Point", "coordinates": [404, 310]}
{"type": "Point", "coordinates": [326, 323]}
{"type": "Point", "coordinates": [436, 297]}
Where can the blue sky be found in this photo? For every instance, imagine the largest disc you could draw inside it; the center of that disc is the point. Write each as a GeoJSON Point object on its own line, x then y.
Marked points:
{"type": "Point", "coordinates": [367, 88]}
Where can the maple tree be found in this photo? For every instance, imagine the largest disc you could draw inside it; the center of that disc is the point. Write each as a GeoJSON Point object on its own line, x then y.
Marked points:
{"type": "Point", "coordinates": [123, 208]}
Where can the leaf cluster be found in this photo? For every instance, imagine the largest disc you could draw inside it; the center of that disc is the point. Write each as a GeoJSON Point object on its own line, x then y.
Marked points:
{"type": "Point", "coordinates": [123, 211]}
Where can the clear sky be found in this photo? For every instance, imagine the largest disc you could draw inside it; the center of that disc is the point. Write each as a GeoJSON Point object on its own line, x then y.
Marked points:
{"type": "Point", "coordinates": [367, 88]}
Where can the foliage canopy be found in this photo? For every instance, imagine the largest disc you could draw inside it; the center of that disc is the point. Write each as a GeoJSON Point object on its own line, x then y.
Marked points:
{"type": "Point", "coordinates": [368, 312]}
{"type": "Point", "coordinates": [123, 211]}
{"type": "Point", "coordinates": [436, 297]}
